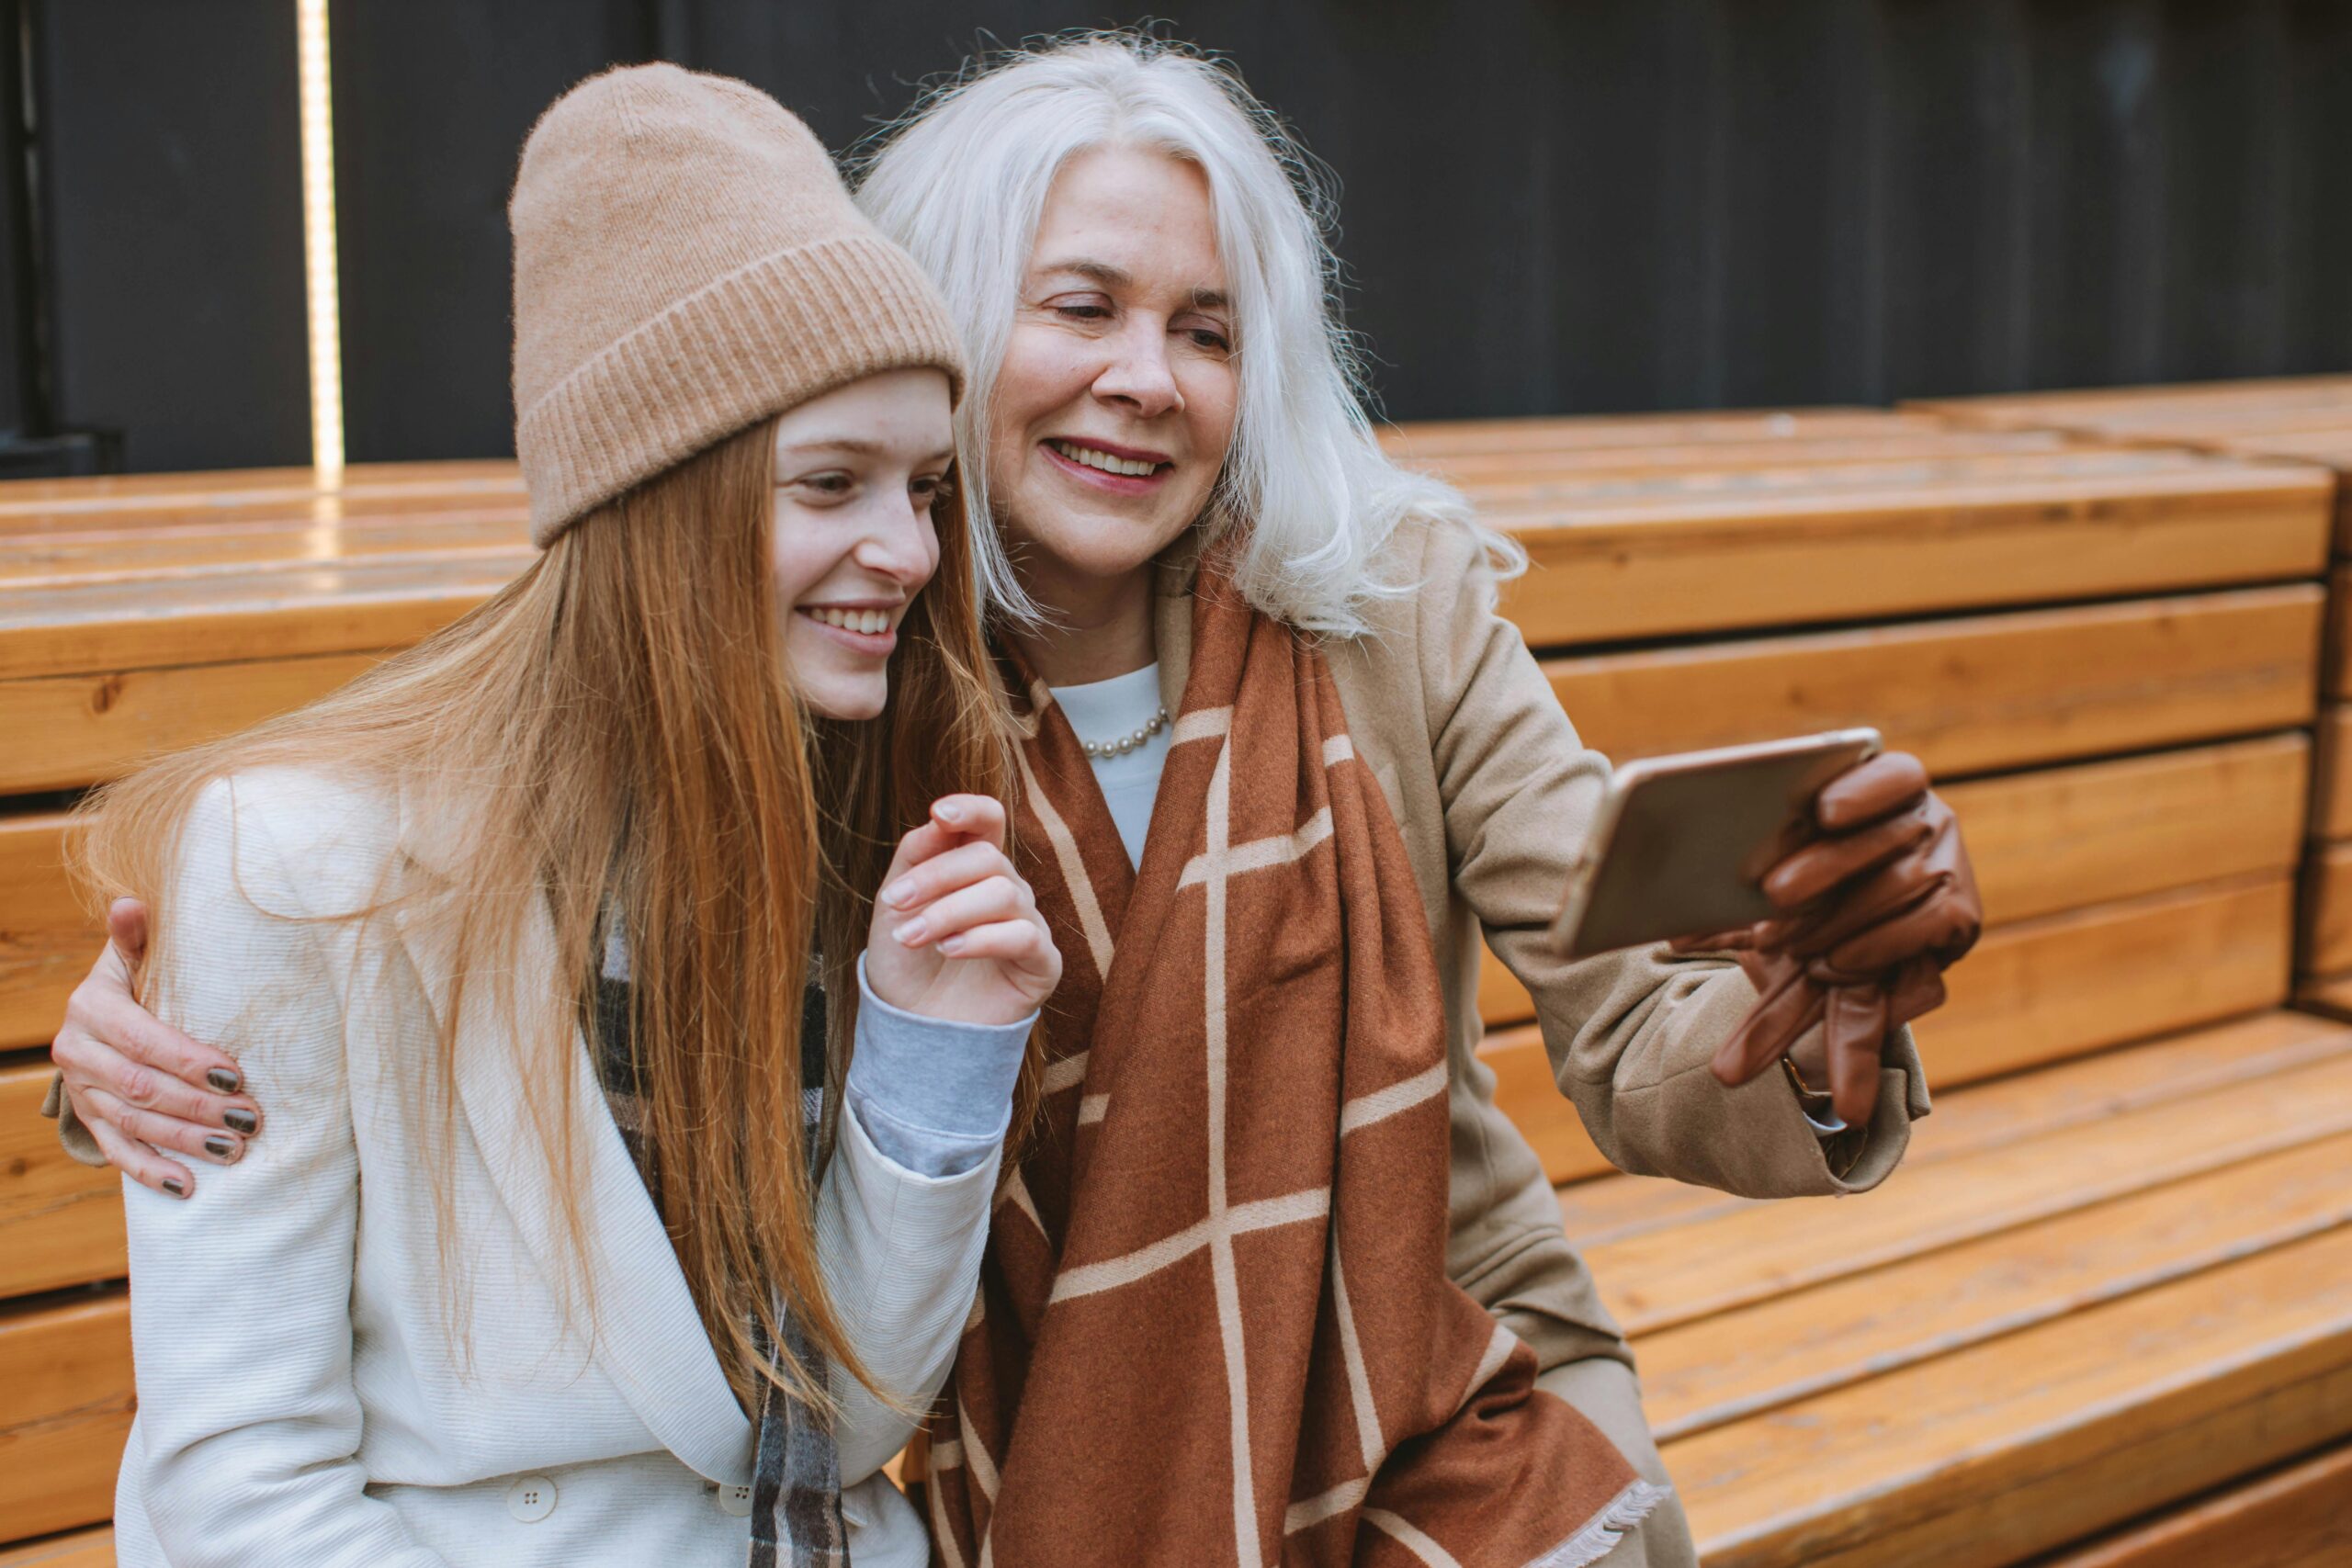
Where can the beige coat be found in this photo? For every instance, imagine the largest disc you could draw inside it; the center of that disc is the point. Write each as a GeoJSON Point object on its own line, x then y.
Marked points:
{"type": "Point", "coordinates": [1492, 790]}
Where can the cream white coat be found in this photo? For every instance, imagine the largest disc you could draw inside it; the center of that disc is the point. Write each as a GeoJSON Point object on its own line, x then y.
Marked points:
{"type": "Point", "coordinates": [299, 1400]}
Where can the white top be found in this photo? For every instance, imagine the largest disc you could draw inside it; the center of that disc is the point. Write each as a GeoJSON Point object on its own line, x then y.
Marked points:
{"type": "Point", "coordinates": [1104, 710]}
{"type": "Point", "coordinates": [300, 1402]}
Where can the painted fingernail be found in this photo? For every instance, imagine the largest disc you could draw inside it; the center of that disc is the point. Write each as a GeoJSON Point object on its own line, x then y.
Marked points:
{"type": "Point", "coordinates": [220, 1148]}
{"type": "Point", "coordinates": [913, 931]}
{"type": "Point", "coordinates": [173, 1185]}
{"type": "Point", "coordinates": [223, 1081]}
{"type": "Point", "coordinates": [899, 893]}
{"type": "Point", "coordinates": [952, 946]}
{"type": "Point", "coordinates": [243, 1122]}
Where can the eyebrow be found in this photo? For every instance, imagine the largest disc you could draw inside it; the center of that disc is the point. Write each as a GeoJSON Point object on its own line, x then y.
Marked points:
{"type": "Point", "coordinates": [1111, 276]}
{"type": "Point", "coordinates": [855, 447]}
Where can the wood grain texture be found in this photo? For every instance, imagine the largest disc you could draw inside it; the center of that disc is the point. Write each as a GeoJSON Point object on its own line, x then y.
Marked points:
{"type": "Point", "coordinates": [1989, 1454]}
{"type": "Point", "coordinates": [1725, 1262]}
{"type": "Point", "coordinates": [60, 1222]}
{"type": "Point", "coordinates": [46, 940]}
{"type": "Point", "coordinates": [2323, 938]}
{"type": "Point", "coordinates": [1788, 1347]}
{"type": "Point", "coordinates": [82, 1549]}
{"type": "Point", "coordinates": [1976, 694]}
{"type": "Point", "coordinates": [2043, 990]}
{"type": "Point", "coordinates": [1530, 1097]}
{"type": "Point", "coordinates": [2330, 817]}
{"type": "Point", "coordinates": [86, 728]}
{"type": "Point", "coordinates": [1975, 1118]}
{"type": "Point", "coordinates": [1437, 439]}
{"type": "Point", "coordinates": [66, 1368]}
{"type": "Point", "coordinates": [1616, 567]}
{"type": "Point", "coordinates": [2336, 679]}
{"type": "Point", "coordinates": [2095, 833]}
{"type": "Point", "coordinates": [2299, 1517]}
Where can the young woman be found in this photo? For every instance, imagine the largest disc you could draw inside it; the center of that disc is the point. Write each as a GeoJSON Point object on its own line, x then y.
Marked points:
{"type": "Point", "coordinates": [561, 1251]}
{"type": "Point", "coordinates": [1276, 1277]}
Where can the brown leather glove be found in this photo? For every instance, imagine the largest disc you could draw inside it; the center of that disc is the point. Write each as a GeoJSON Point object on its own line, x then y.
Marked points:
{"type": "Point", "coordinates": [1879, 905]}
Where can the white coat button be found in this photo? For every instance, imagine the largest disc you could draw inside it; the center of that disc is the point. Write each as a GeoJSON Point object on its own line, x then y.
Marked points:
{"type": "Point", "coordinates": [735, 1502]}
{"type": "Point", "coordinates": [531, 1498]}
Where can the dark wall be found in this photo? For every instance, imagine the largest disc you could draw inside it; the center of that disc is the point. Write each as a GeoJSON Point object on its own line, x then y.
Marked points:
{"type": "Point", "coordinates": [172, 156]}
{"type": "Point", "coordinates": [1550, 205]}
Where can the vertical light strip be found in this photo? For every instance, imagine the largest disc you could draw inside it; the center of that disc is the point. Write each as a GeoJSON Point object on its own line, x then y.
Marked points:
{"type": "Point", "coordinates": [317, 242]}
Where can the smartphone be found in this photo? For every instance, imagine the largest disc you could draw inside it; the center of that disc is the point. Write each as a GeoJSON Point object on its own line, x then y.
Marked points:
{"type": "Point", "coordinates": [1681, 843]}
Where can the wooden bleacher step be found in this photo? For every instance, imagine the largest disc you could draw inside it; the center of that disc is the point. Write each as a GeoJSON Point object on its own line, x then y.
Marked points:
{"type": "Point", "coordinates": [80, 1548]}
{"type": "Point", "coordinates": [2299, 1516]}
{"type": "Point", "coordinates": [2118, 1283]}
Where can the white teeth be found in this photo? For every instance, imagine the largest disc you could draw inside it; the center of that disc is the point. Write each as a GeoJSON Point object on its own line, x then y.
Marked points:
{"type": "Point", "coordinates": [869, 621]}
{"type": "Point", "coordinates": [1135, 468]}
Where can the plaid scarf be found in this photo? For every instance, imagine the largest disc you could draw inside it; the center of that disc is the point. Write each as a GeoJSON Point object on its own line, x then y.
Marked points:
{"type": "Point", "coordinates": [1215, 1325]}
{"type": "Point", "coordinates": [796, 1501]}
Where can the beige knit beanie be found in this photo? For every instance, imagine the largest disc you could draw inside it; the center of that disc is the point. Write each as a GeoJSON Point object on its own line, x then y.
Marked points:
{"type": "Point", "coordinates": [687, 264]}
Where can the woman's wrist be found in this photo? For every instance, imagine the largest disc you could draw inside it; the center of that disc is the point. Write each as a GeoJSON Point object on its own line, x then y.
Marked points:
{"type": "Point", "coordinates": [934, 1075]}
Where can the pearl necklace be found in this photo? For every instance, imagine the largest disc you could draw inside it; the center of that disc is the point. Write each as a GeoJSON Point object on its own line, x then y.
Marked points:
{"type": "Point", "coordinates": [1129, 742]}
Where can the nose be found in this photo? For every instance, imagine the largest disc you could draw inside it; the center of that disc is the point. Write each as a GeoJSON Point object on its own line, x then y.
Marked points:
{"type": "Point", "coordinates": [900, 543]}
{"type": "Point", "coordinates": [1138, 376]}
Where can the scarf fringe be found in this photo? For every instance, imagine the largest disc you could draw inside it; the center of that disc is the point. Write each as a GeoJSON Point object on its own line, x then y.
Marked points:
{"type": "Point", "coordinates": [1597, 1539]}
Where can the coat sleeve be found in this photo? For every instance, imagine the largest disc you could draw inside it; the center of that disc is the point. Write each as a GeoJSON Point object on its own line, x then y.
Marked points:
{"type": "Point", "coordinates": [902, 1255]}
{"type": "Point", "coordinates": [1630, 1035]}
{"type": "Point", "coordinates": [241, 1307]}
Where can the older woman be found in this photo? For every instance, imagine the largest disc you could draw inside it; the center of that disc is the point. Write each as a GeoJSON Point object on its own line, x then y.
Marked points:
{"type": "Point", "coordinates": [1278, 1278]}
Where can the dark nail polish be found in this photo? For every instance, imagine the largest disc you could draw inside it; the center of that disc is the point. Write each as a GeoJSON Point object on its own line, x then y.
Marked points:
{"type": "Point", "coordinates": [176, 1186]}
{"type": "Point", "coordinates": [219, 1148]}
{"type": "Point", "coordinates": [241, 1121]}
{"type": "Point", "coordinates": [223, 1081]}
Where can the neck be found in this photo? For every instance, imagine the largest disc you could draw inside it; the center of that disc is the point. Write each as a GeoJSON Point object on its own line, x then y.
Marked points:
{"type": "Point", "coordinates": [1101, 627]}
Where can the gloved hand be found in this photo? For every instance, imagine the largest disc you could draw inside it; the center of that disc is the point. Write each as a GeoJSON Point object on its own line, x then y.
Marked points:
{"type": "Point", "coordinates": [1876, 909]}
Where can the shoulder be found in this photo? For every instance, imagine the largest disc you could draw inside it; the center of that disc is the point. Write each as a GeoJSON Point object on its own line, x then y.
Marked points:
{"type": "Point", "coordinates": [294, 841]}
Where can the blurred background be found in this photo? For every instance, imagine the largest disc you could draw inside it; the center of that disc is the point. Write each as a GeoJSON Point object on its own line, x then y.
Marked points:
{"type": "Point", "coordinates": [1550, 206]}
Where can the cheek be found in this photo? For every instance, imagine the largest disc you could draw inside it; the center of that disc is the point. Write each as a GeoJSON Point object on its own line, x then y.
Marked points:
{"type": "Point", "coordinates": [797, 558]}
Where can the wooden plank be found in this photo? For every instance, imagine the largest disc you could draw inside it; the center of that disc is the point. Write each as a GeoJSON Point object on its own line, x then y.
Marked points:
{"type": "Point", "coordinates": [1989, 1454]}
{"type": "Point", "coordinates": [46, 939]}
{"type": "Point", "coordinates": [1530, 1097]}
{"type": "Point", "coordinates": [82, 1549]}
{"type": "Point", "coordinates": [2178, 406]}
{"type": "Point", "coordinates": [1685, 561]}
{"type": "Point", "coordinates": [1477, 471]}
{"type": "Point", "coordinates": [1975, 1118]}
{"type": "Point", "coordinates": [2299, 1517]}
{"type": "Point", "coordinates": [2323, 939]}
{"type": "Point", "coordinates": [1437, 438]}
{"type": "Point", "coordinates": [2074, 837]}
{"type": "Point", "coordinates": [92, 727]}
{"type": "Point", "coordinates": [2041, 991]}
{"type": "Point", "coordinates": [1976, 694]}
{"type": "Point", "coordinates": [110, 627]}
{"type": "Point", "coordinates": [1718, 1265]}
{"type": "Point", "coordinates": [2332, 775]}
{"type": "Point", "coordinates": [67, 1371]}
{"type": "Point", "coordinates": [2336, 681]}
{"type": "Point", "coordinates": [1792, 1345]}
{"type": "Point", "coordinates": [211, 492]}
{"type": "Point", "coordinates": [2068, 838]}
{"type": "Point", "coordinates": [60, 1222]}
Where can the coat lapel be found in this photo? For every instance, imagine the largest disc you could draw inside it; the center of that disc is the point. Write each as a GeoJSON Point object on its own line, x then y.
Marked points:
{"type": "Point", "coordinates": [647, 1334]}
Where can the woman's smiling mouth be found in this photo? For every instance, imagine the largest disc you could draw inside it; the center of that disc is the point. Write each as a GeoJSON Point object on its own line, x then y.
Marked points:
{"type": "Point", "coordinates": [1119, 469]}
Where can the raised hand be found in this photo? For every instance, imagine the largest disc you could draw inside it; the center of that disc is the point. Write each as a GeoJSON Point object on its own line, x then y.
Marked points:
{"type": "Point", "coordinates": [1877, 907]}
{"type": "Point", "coordinates": [956, 934]}
{"type": "Point", "coordinates": [140, 1085]}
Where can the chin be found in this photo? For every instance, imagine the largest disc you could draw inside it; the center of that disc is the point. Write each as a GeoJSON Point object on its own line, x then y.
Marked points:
{"type": "Point", "coordinates": [851, 698]}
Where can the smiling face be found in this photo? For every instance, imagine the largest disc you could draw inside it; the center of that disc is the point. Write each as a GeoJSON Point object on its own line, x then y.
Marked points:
{"type": "Point", "coordinates": [857, 472]}
{"type": "Point", "coordinates": [1115, 406]}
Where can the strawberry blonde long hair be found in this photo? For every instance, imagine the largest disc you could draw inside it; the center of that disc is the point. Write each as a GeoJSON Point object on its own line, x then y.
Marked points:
{"type": "Point", "coordinates": [616, 730]}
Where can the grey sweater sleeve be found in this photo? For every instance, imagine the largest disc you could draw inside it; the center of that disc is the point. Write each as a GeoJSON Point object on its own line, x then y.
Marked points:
{"type": "Point", "coordinates": [934, 1097]}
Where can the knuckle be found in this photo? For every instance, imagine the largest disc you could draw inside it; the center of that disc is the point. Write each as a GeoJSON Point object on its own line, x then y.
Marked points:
{"type": "Point", "coordinates": [140, 1085]}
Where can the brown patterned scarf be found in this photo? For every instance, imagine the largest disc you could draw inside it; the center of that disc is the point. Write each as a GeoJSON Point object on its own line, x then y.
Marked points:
{"type": "Point", "coordinates": [1213, 1324]}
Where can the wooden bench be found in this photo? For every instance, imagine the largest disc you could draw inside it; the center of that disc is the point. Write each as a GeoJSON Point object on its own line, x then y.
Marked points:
{"type": "Point", "coordinates": [2111, 656]}
{"type": "Point", "coordinates": [2123, 716]}
{"type": "Point", "coordinates": [2309, 419]}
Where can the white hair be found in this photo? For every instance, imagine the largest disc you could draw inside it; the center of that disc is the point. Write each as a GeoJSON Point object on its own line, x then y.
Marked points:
{"type": "Point", "coordinates": [962, 182]}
